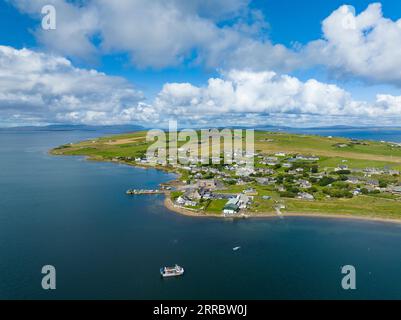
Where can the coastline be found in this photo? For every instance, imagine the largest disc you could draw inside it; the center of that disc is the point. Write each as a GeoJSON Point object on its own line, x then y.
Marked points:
{"type": "Point", "coordinates": [195, 214]}
{"type": "Point", "coordinates": [168, 203]}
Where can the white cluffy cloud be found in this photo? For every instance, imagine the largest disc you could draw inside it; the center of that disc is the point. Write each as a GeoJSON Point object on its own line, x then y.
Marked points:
{"type": "Point", "coordinates": [366, 45]}
{"type": "Point", "coordinates": [161, 33]}
{"type": "Point", "coordinates": [38, 87]}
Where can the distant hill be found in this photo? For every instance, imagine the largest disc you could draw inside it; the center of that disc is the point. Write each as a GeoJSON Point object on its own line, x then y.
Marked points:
{"type": "Point", "coordinates": [131, 128]}
{"type": "Point", "coordinates": [342, 127]}
{"type": "Point", "coordinates": [62, 127]}
{"type": "Point", "coordinates": [336, 127]}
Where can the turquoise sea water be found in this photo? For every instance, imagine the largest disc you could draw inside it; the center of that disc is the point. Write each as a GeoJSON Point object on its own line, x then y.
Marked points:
{"type": "Point", "coordinates": [73, 214]}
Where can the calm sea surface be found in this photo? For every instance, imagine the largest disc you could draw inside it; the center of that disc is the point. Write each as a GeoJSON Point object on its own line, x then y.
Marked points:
{"type": "Point", "coordinates": [73, 214]}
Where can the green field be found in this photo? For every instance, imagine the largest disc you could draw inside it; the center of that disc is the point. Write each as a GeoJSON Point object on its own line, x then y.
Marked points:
{"type": "Point", "coordinates": [216, 206]}
{"type": "Point", "coordinates": [373, 154]}
{"type": "Point", "coordinates": [369, 154]}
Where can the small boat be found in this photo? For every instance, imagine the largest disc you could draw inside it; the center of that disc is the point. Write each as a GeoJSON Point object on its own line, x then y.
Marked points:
{"type": "Point", "coordinates": [175, 271]}
{"type": "Point", "coordinates": [236, 248]}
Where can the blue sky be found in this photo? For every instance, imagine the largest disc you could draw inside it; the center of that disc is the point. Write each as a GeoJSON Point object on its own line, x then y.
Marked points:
{"type": "Point", "coordinates": [289, 21]}
{"type": "Point", "coordinates": [301, 20]}
{"type": "Point", "coordinates": [207, 61]}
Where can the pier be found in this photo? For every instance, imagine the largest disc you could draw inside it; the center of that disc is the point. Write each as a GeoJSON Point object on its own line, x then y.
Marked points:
{"type": "Point", "coordinates": [143, 191]}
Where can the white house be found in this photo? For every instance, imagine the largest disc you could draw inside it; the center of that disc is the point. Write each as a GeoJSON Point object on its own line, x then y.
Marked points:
{"type": "Point", "coordinates": [305, 196]}
{"type": "Point", "coordinates": [231, 207]}
{"type": "Point", "coordinates": [243, 201]}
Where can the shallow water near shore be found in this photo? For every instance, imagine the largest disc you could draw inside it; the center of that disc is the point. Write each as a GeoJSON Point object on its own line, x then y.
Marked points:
{"type": "Point", "coordinates": [74, 214]}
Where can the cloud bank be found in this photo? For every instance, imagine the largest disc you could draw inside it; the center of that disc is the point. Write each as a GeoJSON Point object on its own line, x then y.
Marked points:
{"type": "Point", "coordinates": [38, 87]}
{"type": "Point", "coordinates": [45, 88]}
{"type": "Point", "coordinates": [267, 97]}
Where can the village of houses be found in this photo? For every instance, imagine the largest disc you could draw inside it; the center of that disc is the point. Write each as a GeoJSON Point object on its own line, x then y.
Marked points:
{"type": "Point", "coordinates": [274, 178]}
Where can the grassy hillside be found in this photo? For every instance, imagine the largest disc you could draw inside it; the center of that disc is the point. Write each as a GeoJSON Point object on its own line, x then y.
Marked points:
{"type": "Point", "coordinates": [362, 153]}
{"type": "Point", "coordinates": [365, 154]}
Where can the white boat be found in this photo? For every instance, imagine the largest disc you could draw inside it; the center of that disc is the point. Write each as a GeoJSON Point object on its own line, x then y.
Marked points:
{"type": "Point", "coordinates": [175, 271]}
{"type": "Point", "coordinates": [236, 248]}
